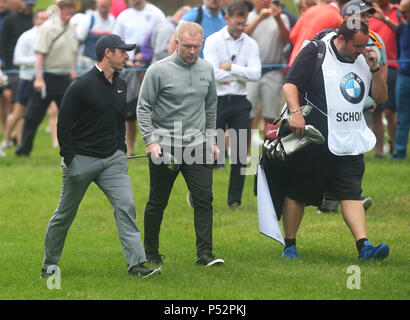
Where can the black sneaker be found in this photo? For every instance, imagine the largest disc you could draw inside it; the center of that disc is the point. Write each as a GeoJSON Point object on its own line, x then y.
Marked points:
{"type": "Point", "coordinates": [156, 259]}
{"type": "Point", "coordinates": [209, 260]}
{"type": "Point", "coordinates": [141, 270]}
{"type": "Point", "coordinates": [20, 152]}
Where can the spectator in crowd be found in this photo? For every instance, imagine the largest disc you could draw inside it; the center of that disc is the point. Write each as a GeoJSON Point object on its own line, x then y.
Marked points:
{"type": "Point", "coordinates": [269, 27]}
{"type": "Point", "coordinates": [236, 60]}
{"type": "Point", "coordinates": [56, 51]}
{"type": "Point", "coordinates": [24, 58]}
{"type": "Point", "coordinates": [118, 6]}
{"type": "Point", "coordinates": [132, 25]}
{"type": "Point", "coordinates": [338, 163]}
{"type": "Point", "coordinates": [4, 102]}
{"type": "Point", "coordinates": [90, 28]}
{"type": "Point", "coordinates": [4, 12]}
{"type": "Point", "coordinates": [14, 25]}
{"type": "Point", "coordinates": [314, 20]}
{"type": "Point", "coordinates": [209, 15]}
{"type": "Point", "coordinates": [180, 87]}
{"type": "Point", "coordinates": [403, 83]}
{"type": "Point", "coordinates": [383, 22]}
{"type": "Point", "coordinates": [155, 44]}
{"type": "Point", "coordinates": [91, 133]}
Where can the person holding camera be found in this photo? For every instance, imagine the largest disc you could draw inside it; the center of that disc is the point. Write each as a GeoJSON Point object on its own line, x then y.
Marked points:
{"type": "Point", "coordinates": [269, 27]}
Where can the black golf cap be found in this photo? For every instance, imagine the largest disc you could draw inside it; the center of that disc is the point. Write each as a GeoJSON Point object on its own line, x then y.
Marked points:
{"type": "Point", "coordinates": [112, 41]}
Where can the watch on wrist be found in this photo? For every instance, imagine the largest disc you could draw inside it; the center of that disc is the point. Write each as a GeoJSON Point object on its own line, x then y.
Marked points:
{"type": "Point", "coordinates": [375, 69]}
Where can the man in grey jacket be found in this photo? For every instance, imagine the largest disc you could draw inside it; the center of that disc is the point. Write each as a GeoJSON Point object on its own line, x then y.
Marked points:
{"type": "Point", "coordinates": [176, 114]}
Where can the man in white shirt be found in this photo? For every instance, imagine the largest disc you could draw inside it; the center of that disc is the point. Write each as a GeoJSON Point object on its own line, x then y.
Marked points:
{"type": "Point", "coordinates": [269, 27]}
{"type": "Point", "coordinates": [132, 25]}
{"type": "Point", "coordinates": [90, 28]}
{"type": "Point", "coordinates": [24, 58]}
{"type": "Point", "coordinates": [235, 58]}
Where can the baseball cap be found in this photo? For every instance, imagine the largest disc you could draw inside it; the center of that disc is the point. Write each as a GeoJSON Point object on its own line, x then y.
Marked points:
{"type": "Point", "coordinates": [30, 2]}
{"type": "Point", "coordinates": [112, 41]}
{"type": "Point", "coordinates": [356, 6]}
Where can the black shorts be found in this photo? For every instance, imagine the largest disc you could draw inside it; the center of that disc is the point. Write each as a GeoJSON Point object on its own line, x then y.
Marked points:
{"type": "Point", "coordinates": [391, 91]}
{"type": "Point", "coordinates": [24, 90]}
{"type": "Point", "coordinates": [314, 170]}
{"type": "Point", "coordinates": [345, 178]}
{"type": "Point", "coordinates": [13, 80]}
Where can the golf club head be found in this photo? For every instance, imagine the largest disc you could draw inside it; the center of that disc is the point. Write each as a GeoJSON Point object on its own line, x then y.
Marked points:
{"type": "Point", "coordinates": [171, 162]}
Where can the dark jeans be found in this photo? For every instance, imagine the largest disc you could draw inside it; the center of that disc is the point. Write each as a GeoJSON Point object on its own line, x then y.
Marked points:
{"type": "Point", "coordinates": [233, 112]}
{"type": "Point", "coordinates": [198, 178]}
{"type": "Point", "coordinates": [37, 108]}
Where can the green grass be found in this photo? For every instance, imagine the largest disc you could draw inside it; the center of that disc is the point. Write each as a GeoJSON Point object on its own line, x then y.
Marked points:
{"type": "Point", "coordinates": [93, 266]}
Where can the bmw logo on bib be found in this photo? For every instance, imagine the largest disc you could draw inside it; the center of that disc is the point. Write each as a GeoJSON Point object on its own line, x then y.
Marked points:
{"type": "Point", "coordinates": [352, 88]}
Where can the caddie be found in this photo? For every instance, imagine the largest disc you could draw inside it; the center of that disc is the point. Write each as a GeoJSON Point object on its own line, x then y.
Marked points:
{"type": "Point", "coordinates": [337, 92]}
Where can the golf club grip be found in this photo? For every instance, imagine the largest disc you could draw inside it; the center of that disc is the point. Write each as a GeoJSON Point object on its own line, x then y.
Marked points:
{"type": "Point", "coordinates": [137, 157]}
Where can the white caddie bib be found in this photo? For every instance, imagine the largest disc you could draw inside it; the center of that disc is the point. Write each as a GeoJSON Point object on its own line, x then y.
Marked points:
{"type": "Point", "coordinates": [346, 86]}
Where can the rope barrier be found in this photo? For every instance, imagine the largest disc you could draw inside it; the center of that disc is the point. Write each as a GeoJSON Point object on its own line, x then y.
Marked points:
{"type": "Point", "coordinates": [264, 66]}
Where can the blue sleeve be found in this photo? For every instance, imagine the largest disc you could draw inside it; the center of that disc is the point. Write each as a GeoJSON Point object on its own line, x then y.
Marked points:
{"type": "Point", "coordinates": [190, 15]}
{"type": "Point", "coordinates": [383, 51]}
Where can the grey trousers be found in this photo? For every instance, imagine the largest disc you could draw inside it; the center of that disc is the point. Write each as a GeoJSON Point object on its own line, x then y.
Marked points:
{"type": "Point", "coordinates": [111, 176]}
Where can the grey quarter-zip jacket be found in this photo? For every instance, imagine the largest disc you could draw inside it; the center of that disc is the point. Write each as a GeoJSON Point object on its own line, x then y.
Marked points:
{"type": "Point", "coordinates": [177, 103]}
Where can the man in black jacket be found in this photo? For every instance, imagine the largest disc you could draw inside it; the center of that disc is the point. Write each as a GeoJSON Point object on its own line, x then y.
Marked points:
{"type": "Point", "coordinates": [91, 134]}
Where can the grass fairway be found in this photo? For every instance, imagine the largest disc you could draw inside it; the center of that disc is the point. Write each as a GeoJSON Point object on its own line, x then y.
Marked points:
{"type": "Point", "coordinates": [92, 265]}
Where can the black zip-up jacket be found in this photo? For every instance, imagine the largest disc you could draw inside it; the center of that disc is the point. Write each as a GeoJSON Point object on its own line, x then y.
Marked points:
{"type": "Point", "coordinates": [91, 117]}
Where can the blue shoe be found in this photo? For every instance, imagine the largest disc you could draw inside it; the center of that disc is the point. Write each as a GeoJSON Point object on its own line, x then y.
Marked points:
{"type": "Point", "coordinates": [370, 251]}
{"type": "Point", "coordinates": [399, 156]}
{"type": "Point", "coordinates": [291, 253]}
